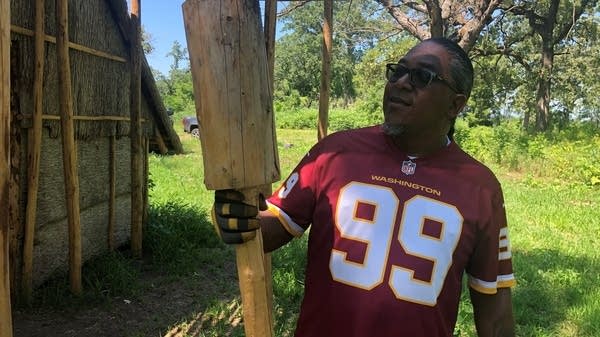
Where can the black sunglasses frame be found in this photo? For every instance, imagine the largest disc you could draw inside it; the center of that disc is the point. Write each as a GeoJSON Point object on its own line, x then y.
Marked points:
{"type": "Point", "coordinates": [415, 75]}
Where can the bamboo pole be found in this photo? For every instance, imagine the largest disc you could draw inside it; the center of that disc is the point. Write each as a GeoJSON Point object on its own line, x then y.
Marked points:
{"type": "Point", "coordinates": [112, 194]}
{"type": "Point", "coordinates": [326, 68]}
{"type": "Point", "coordinates": [35, 143]}
{"type": "Point", "coordinates": [137, 206]}
{"type": "Point", "coordinates": [72, 45]}
{"type": "Point", "coordinates": [69, 146]}
{"type": "Point", "coordinates": [5, 310]}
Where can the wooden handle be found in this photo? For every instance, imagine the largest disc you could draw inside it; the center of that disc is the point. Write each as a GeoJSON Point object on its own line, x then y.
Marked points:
{"type": "Point", "coordinates": [254, 282]}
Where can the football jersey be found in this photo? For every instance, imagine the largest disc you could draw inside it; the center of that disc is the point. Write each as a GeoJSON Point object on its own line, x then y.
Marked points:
{"type": "Point", "coordinates": [390, 236]}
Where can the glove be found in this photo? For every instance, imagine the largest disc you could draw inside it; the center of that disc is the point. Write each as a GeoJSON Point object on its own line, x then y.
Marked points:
{"type": "Point", "coordinates": [235, 221]}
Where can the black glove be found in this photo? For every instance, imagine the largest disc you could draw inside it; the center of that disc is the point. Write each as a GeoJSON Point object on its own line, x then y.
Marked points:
{"type": "Point", "coordinates": [235, 221]}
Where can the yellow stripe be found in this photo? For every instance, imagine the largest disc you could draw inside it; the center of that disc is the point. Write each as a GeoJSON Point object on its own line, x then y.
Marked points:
{"type": "Point", "coordinates": [232, 223]}
{"type": "Point", "coordinates": [488, 291]}
{"type": "Point", "coordinates": [275, 211]}
{"type": "Point", "coordinates": [492, 291]}
{"type": "Point", "coordinates": [507, 284]}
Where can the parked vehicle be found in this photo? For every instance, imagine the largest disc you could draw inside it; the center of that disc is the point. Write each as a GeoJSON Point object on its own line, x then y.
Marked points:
{"type": "Point", "coordinates": [190, 125]}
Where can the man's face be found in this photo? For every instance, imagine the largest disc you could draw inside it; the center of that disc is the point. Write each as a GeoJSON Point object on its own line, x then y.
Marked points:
{"type": "Point", "coordinates": [423, 111]}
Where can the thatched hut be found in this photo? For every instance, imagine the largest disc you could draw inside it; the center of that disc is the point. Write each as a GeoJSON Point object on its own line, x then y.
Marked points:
{"type": "Point", "coordinates": [99, 40]}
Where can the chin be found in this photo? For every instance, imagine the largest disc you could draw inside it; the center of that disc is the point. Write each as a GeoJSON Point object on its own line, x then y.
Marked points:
{"type": "Point", "coordinates": [391, 129]}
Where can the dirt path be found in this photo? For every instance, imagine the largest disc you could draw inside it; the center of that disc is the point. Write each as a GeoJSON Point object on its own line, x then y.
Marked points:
{"type": "Point", "coordinates": [168, 307]}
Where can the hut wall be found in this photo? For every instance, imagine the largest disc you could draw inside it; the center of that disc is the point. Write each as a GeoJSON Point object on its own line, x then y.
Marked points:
{"type": "Point", "coordinates": [100, 90]}
{"type": "Point", "coordinates": [51, 243]}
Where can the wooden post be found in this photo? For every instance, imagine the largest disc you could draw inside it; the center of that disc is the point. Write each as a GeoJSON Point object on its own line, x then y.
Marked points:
{"type": "Point", "coordinates": [35, 144]}
{"type": "Point", "coordinates": [326, 68]}
{"type": "Point", "coordinates": [112, 192]}
{"type": "Point", "coordinates": [270, 30]}
{"type": "Point", "coordinates": [5, 310]}
{"type": "Point", "coordinates": [137, 206]}
{"type": "Point", "coordinates": [234, 107]}
{"type": "Point", "coordinates": [68, 142]}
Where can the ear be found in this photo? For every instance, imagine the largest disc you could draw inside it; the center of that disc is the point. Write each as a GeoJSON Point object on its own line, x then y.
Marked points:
{"type": "Point", "coordinates": [457, 104]}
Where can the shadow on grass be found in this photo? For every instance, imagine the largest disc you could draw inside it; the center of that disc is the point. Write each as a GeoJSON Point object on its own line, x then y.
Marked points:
{"type": "Point", "coordinates": [554, 294]}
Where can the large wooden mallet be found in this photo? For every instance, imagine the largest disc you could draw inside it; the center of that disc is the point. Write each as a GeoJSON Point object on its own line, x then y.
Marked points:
{"type": "Point", "coordinates": [235, 112]}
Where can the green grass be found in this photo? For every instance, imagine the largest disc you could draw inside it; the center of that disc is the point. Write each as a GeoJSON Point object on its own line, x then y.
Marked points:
{"type": "Point", "coordinates": [555, 232]}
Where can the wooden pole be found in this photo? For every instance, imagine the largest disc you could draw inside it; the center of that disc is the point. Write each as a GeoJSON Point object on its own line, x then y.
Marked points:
{"type": "Point", "coordinates": [270, 30]}
{"type": "Point", "coordinates": [237, 133]}
{"type": "Point", "coordinates": [35, 144]}
{"type": "Point", "coordinates": [68, 142]}
{"type": "Point", "coordinates": [137, 166]}
{"type": "Point", "coordinates": [326, 68]}
{"type": "Point", "coordinates": [5, 310]}
{"type": "Point", "coordinates": [81, 48]}
{"type": "Point", "coordinates": [112, 192]}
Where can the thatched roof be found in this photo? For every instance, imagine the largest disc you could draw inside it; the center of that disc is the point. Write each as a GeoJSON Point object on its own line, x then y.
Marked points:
{"type": "Point", "coordinates": [100, 84]}
{"type": "Point", "coordinates": [163, 122]}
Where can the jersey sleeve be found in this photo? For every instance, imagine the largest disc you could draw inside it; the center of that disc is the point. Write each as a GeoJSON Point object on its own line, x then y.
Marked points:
{"type": "Point", "coordinates": [490, 266]}
{"type": "Point", "coordinates": [294, 201]}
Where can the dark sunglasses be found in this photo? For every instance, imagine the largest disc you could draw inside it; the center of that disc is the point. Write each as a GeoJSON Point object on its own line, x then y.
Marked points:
{"type": "Point", "coordinates": [419, 77]}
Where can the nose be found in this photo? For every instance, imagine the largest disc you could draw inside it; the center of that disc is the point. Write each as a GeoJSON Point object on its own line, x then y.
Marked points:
{"type": "Point", "coordinates": [404, 82]}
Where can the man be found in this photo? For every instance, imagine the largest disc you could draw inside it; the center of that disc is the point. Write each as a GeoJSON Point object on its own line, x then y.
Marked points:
{"type": "Point", "coordinates": [397, 213]}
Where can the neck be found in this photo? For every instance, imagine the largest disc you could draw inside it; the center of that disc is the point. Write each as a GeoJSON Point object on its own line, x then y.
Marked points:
{"type": "Point", "coordinates": [421, 146]}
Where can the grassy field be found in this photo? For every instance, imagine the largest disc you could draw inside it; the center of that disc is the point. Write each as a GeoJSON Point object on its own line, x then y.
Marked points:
{"type": "Point", "coordinates": [555, 231]}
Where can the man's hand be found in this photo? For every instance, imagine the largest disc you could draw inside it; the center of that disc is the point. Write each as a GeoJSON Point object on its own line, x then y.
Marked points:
{"type": "Point", "coordinates": [235, 221]}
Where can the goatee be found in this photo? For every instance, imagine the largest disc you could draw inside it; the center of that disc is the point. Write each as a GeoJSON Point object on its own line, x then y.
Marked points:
{"type": "Point", "coordinates": [393, 130]}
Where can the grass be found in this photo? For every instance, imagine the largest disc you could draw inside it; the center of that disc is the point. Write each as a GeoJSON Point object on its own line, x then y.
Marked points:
{"type": "Point", "coordinates": [555, 231]}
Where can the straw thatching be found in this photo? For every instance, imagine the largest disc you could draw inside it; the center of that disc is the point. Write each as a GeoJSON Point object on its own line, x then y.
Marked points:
{"type": "Point", "coordinates": [101, 77]}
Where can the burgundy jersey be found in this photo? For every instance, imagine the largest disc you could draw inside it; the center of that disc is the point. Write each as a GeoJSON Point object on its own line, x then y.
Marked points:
{"type": "Point", "coordinates": [391, 236]}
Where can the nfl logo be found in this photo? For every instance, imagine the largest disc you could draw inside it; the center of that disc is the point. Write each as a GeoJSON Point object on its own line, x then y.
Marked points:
{"type": "Point", "coordinates": [408, 167]}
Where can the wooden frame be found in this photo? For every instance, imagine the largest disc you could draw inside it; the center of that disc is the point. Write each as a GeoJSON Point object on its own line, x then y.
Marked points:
{"type": "Point", "coordinates": [68, 141]}
{"type": "Point", "coordinates": [5, 309]}
{"type": "Point", "coordinates": [137, 168]}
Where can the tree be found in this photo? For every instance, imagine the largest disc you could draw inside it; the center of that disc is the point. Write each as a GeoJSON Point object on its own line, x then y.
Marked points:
{"type": "Point", "coordinates": [553, 22]}
{"type": "Point", "coordinates": [461, 20]}
{"type": "Point", "coordinates": [147, 42]}
{"type": "Point", "coordinates": [176, 87]}
{"type": "Point", "coordinates": [298, 57]}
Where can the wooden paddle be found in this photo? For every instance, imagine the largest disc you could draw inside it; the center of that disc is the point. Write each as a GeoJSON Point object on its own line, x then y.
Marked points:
{"type": "Point", "coordinates": [234, 109]}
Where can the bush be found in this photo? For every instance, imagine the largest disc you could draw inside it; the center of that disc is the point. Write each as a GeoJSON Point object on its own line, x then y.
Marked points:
{"type": "Point", "coordinates": [569, 156]}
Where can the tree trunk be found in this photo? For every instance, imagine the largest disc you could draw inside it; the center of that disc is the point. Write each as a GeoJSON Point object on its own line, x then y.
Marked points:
{"type": "Point", "coordinates": [542, 117]}
{"type": "Point", "coordinates": [325, 69]}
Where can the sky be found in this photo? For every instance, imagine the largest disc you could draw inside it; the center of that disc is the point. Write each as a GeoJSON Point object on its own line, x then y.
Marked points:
{"type": "Point", "coordinates": [163, 19]}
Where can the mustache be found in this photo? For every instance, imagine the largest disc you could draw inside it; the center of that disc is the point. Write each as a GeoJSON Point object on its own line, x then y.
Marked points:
{"type": "Point", "coordinates": [392, 129]}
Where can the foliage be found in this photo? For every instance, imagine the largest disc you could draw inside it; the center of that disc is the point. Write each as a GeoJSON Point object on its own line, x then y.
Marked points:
{"type": "Point", "coordinates": [541, 37]}
{"type": "Point", "coordinates": [543, 156]}
{"type": "Point", "coordinates": [176, 87]}
{"type": "Point", "coordinates": [339, 118]}
{"type": "Point", "coordinates": [298, 51]}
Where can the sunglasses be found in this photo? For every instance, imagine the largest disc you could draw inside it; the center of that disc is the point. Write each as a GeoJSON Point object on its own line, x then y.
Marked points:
{"type": "Point", "coordinates": [419, 77]}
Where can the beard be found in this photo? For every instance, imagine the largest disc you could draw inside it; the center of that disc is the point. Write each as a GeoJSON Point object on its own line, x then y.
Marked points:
{"type": "Point", "coordinates": [393, 130]}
